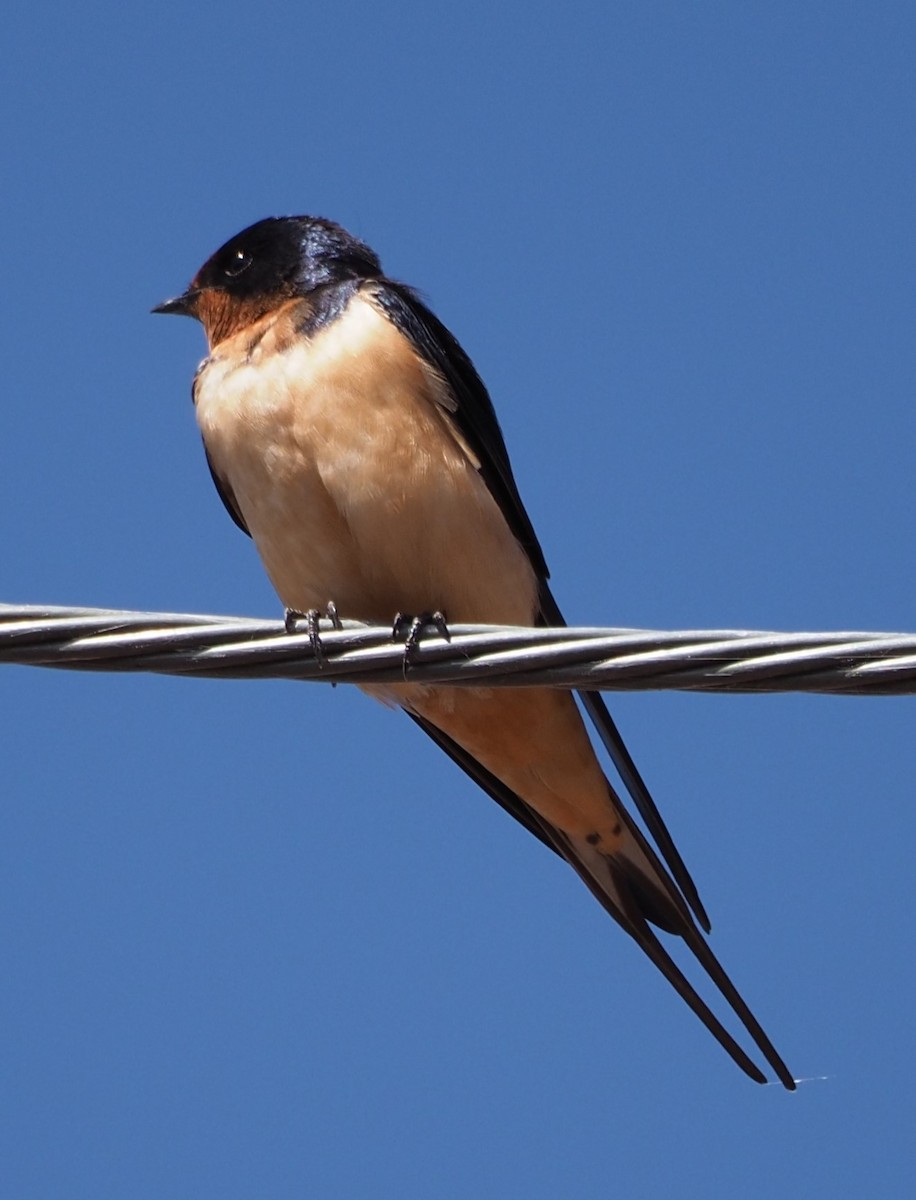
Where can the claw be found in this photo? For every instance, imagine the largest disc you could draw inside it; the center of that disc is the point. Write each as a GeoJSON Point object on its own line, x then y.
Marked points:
{"type": "Point", "coordinates": [412, 626]}
{"type": "Point", "coordinates": [312, 618]}
{"type": "Point", "coordinates": [290, 617]}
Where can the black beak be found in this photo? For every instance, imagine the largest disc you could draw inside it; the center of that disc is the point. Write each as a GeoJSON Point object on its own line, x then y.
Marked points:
{"type": "Point", "coordinates": [182, 306]}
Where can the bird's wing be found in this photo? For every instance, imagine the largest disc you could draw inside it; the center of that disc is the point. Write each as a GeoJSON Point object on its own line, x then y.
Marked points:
{"type": "Point", "coordinates": [475, 417]}
{"type": "Point", "coordinates": [226, 495]}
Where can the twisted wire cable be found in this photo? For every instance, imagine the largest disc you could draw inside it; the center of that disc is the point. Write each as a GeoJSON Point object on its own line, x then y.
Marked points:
{"type": "Point", "coordinates": [217, 647]}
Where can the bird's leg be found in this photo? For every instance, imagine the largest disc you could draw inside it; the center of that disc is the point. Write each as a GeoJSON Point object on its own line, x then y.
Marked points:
{"type": "Point", "coordinates": [312, 617]}
{"type": "Point", "coordinates": [412, 626]}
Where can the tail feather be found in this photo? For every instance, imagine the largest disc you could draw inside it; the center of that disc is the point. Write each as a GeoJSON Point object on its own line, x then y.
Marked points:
{"type": "Point", "coordinates": [605, 727]}
{"type": "Point", "coordinates": [617, 899]}
{"type": "Point", "coordinates": [634, 888]}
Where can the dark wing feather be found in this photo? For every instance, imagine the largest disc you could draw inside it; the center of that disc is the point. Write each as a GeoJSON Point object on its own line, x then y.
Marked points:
{"type": "Point", "coordinates": [222, 485]}
{"type": "Point", "coordinates": [227, 496]}
{"type": "Point", "coordinates": [475, 417]}
{"type": "Point", "coordinates": [473, 412]}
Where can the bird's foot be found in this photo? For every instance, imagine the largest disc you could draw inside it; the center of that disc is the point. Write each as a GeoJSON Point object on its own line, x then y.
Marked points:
{"type": "Point", "coordinates": [410, 627]}
{"type": "Point", "coordinates": [312, 618]}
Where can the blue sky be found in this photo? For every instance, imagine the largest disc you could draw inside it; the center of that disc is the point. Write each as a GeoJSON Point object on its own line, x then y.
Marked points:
{"type": "Point", "coordinates": [261, 939]}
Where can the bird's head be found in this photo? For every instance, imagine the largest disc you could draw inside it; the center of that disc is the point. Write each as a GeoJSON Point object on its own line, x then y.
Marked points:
{"type": "Point", "coordinates": [275, 260]}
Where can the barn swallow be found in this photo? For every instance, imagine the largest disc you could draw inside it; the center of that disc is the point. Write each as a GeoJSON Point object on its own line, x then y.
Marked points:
{"type": "Point", "coordinates": [350, 436]}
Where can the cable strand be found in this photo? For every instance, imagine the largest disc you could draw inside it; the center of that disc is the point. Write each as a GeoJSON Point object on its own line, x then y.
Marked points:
{"type": "Point", "coordinates": [90, 639]}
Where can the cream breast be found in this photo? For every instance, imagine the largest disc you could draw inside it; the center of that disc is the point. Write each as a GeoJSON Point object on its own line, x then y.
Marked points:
{"type": "Point", "coordinates": [353, 480]}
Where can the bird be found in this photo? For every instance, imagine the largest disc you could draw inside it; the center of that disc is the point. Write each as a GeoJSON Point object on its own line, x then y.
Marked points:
{"type": "Point", "coordinates": [350, 435]}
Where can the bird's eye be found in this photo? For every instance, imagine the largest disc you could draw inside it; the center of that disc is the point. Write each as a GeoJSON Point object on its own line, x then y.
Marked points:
{"type": "Point", "coordinates": [239, 262]}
